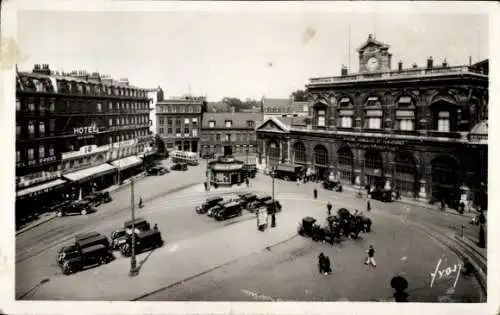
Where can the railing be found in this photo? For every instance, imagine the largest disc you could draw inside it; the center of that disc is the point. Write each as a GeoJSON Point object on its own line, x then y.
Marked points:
{"type": "Point", "coordinates": [397, 74]}
{"type": "Point", "coordinates": [399, 134]}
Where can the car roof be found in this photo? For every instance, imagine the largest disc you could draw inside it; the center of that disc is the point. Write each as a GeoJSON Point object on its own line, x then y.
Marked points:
{"type": "Point", "coordinates": [232, 203]}
{"type": "Point", "coordinates": [90, 240]}
{"type": "Point", "coordinates": [93, 248]}
{"type": "Point", "coordinates": [147, 233]}
{"type": "Point", "coordinates": [215, 198]}
{"type": "Point", "coordinates": [136, 221]}
{"type": "Point", "coordinates": [82, 236]}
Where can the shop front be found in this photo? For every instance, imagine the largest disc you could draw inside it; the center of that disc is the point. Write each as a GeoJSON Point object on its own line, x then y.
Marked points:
{"type": "Point", "coordinates": [226, 171]}
{"type": "Point", "coordinates": [87, 180]}
{"type": "Point", "coordinates": [38, 198]}
{"type": "Point", "coordinates": [127, 167]}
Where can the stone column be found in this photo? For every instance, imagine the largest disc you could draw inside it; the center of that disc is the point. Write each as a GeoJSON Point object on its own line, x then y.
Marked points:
{"type": "Point", "coordinates": [281, 150]}
{"type": "Point", "coordinates": [289, 151]}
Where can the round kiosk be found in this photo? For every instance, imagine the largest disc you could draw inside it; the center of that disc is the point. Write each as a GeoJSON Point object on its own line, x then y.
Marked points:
{"type": "Point", "coordinates": [226, 171]}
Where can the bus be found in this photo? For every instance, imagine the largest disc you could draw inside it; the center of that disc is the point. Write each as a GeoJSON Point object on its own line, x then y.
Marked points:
{"type": "Point", "coordinates": [191, 158]}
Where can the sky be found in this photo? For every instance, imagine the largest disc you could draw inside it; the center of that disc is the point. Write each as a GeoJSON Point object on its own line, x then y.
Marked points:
{"type": "Point", "coordinates": [238, 53]}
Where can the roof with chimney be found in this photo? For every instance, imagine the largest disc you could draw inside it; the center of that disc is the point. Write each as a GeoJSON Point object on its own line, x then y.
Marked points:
{"type": "Point", "coordinates": [239, 120]}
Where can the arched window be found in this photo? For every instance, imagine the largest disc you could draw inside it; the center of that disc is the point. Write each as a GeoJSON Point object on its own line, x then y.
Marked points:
{"type": "Point", "coordinates": [345, 165]}
{"type": "Point", "coordinates": [299, 153]}
{"type": "Point", "coordinates": [320, 155]}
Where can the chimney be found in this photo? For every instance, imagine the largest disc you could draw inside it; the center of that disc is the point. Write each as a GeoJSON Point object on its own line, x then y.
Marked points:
{"type": "Point", "coordinates": [445, 64]}
{"type": "Point", "coordinates": [343, 71]}
{"type": "Point", "coordinates": [400, 66]}
{"type": "Point", "coordinates": [429, 63]}
{"type": "Point", "coordinates": [415, 66]}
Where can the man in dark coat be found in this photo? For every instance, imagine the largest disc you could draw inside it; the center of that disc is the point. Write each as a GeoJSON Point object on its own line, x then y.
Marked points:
{"type": "Point", "coordinates": [321, 262]}
{"type": "Point", "coordinates": [327, 268]}
{"type": "Point", "coordinates": [273, 219]}
{"type": "Point", "coordinates": [368, 206]}
{"type": "Point", "coordinates": [329, 208]}
{"type": "Point", "coordinates": [315, 193]}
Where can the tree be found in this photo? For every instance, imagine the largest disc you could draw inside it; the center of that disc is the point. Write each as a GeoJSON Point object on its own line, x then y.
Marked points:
{"type": "Point", "coordinates": [299, 96]}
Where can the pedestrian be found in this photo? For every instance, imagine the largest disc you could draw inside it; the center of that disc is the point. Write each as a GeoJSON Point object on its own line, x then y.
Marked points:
{"type": "Point", "coordinates": [247, 182]}
{"type": "Point", "coordinates": [327, 268]}
{"type": "Point", "coordinates": [371, 254]}
{"type": "Point", "coordinates": [315, 193]}
{"type": "Point", "coordinates": [140, 202]}
{"type": "Point", "coordinates": [155, 227]}
{"type": "Point", "coordinates": [206, 186]}
{"type": "Point", "coordinates": [321, 262]}
{"type": "Point", "coordinates": [443, 205]}
{"type": "Point", "coordinates": [468, 267]}
{"type": "Point", "coordinates": [298, 181]}
{"type": "Point", "coordinates": [273, 219]}
{"type": "Point", "coordinates": [329, 208]}
{"type": "Point", "coordinates": [368, 205]}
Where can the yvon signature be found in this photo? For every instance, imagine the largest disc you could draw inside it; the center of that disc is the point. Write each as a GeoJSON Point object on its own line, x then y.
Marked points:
{"type": "Point", "coordinates": [446, 273]}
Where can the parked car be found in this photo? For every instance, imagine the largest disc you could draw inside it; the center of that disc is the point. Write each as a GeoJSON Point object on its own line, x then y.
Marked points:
{"type": "Point", "coordinates": [381, 194]}
{"type": "Point", "coordinates": [213, 210]}
{"type": "Point", "coordinates": [82, 207]}
{"type": "Point", "coordinates": [247, 198]}
{"type": "Point", "coordinates": [157, 171]}
{"type": "Point", "coordinates": [272, 206]}
{"type": "Point", "coordinates": [119, 237]}
{"type": "Point", "coordinates": [332, 185]}
{"type": "Point", "coordinates": [209, 203]}
{"type": "Point", "coordinates": [258, 202]}
{"type": "Point", "coordinates": [82, 241]}
{"type": "Point", "coordinates": [179, 167]}
{"type": "Point", "coordinates": [229, 210]}
{"type": "Point", "coordinates": [103, 196]}
{"type": "Point", "coordinates": [143, 241]}
{"type": "Point", "coordinates": [77, 259]}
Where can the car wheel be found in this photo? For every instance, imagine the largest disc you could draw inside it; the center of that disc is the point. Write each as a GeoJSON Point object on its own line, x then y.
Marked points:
{"type": "Point", "coordinates": [59, 214]}
{"type": "Point", "coordinates": [84, 212]}
{"type": "Point", "coordinates": [67, 269]}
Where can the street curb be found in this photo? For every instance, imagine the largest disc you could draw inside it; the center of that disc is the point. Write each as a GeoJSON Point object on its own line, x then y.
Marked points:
{"type": "Point", "coordinates": [26, 229]}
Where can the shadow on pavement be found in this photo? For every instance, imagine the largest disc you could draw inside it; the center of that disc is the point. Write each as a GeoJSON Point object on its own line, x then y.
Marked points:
{"type": "Point", "coordinates": [142, 262]}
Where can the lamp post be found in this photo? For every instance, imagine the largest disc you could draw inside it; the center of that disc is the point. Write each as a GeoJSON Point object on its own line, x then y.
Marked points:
{"type": "Point", "coordinates": [133, 263]}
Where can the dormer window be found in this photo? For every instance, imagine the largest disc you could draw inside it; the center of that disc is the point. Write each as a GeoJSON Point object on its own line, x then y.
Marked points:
{"type": "Point", "coordinates": [211, 124]}
{"type": "Point", "coordinates": [250, 123]}
{"type": "Point", "coordinates": [228, 123]}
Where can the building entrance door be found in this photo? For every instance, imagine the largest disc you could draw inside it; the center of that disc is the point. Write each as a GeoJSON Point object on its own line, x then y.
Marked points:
{"type": "Point", "coordinates": [228, 150]}
{"type": "Point", "coordinates": [194, 146]}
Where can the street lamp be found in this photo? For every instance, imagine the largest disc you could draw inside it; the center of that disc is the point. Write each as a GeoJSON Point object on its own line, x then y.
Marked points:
{"type": "Point", "coordinates": [133, 264]}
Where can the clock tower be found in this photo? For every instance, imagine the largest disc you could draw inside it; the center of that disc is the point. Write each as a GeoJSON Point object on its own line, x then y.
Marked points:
{"type": "Point", "coordinates": [374, 56]}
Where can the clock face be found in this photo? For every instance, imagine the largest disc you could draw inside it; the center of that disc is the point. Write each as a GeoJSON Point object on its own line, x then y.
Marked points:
{"type": "Point", "coordinates": [372, 64]}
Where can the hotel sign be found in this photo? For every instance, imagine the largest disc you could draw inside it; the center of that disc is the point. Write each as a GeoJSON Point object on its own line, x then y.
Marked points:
{"type": "Point", "coordinates": [81, 131]}
{"type": "Point", "coordinates": [375, 141]}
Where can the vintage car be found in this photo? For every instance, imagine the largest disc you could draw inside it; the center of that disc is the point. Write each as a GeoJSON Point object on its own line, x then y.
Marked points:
{"type": "Point", "coordinates": [288, 172]}
{"type": "Point", "coordinates": [229, 210]}
{"type": "Point", "coordinates": [247, 198]}
{"type": "Point", "coordinates": [156, 171]}
{"type": "Point", "coordinates": [309, 228]}
{"type": "Point", "coordinates": [381, 195]}
{"type": "Point", "coordinates": [208, 156]}
{"type": "Point", "coordinates": [332, 185]}
{"type": "Point", "coordinates": [272, 206]}
{"type": "Point", "coordinates": [98, 198]}
{"type": "Point", "coordinates": [213, 210]}
{"type": "Point", "coordinates": [143, 241]}
{"type": "Point", "coordinates": [118, 237]}
{"type": "Point", "coordinates": [258, 202]}
{"type": "Point", "coordinates": [82, 241]}
{"type": "Point", "coordinates": [82, 207]}
{"type": "Point", "coordinates": [73, 259]}
{"type": "Point", "coordinates": [179, 167]}
{"type": "Point", "coordinates": [209, 203]}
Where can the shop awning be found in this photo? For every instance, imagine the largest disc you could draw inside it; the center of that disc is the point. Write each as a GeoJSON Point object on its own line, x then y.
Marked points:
{"type": "Point", "coordinates": [129, 161]}
{"type": "Point", "coordinates": [287, 168]}
{"type": "Point", "coordinates": [90, 172]}
{"type": "Point", "coordinates": [39, 189]}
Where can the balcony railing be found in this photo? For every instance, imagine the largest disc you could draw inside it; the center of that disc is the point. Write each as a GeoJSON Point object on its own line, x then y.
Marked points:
{"type": "Point", "coordinates": [418, 72]}
{"type": "Point", "coordinates": [432, 135]}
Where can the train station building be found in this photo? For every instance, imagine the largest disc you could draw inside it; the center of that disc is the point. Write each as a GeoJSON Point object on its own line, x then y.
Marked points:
{"type": "Point", "coordinates": [422, 130]}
